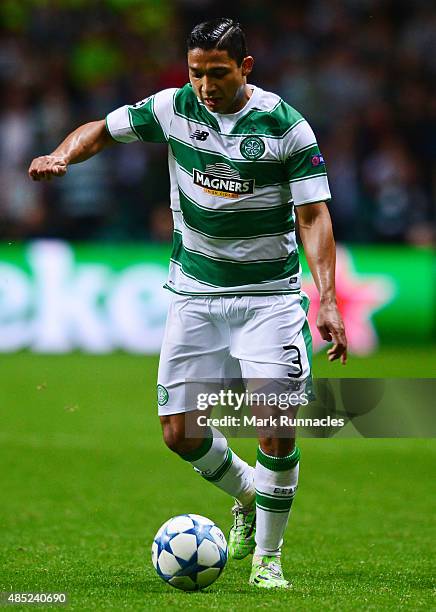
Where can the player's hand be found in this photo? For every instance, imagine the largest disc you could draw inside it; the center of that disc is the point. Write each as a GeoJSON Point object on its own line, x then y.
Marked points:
{"type": "Point", "coordinates": [331, 327]}
{"type": "Point", "coordinates": [46, 167]}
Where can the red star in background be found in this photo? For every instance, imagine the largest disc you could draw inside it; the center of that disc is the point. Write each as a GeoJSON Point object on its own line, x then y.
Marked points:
{"type": "Point", "coordinates": [358, 296]}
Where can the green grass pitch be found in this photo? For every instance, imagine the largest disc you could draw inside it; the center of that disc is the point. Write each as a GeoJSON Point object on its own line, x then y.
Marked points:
{"type": "Point", "coordinates": [86, 481]}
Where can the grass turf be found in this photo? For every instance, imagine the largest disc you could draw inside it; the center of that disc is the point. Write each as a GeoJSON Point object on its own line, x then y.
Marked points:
{"type": "Point", "coordinates": [86, 482]}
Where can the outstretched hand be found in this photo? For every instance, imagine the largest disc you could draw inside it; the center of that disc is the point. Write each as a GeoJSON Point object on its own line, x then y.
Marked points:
{"type": "Point", "coordinates": [46, 167]}
{"type": "Point", "coordinates": [331, 327]}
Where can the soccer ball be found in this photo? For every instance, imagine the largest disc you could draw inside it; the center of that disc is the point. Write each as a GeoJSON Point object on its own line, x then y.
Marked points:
{"type": "Point", "coordinates": [189, 552]}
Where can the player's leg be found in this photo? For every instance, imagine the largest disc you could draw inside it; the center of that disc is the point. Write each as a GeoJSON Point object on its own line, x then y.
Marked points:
{"type": "Point", "coordinates": [276, 480]}
{"type": "Point", "coordinates": [193, 349]}
{"type": "Point", "coordinates": [211, 457]}
{"type": "Point", "coordinates": [274, 345]}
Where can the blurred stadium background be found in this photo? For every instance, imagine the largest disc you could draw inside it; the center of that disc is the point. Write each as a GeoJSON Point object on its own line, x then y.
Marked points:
{"type": "Point", "coordinates": [83, 260]}
{"type": "Point", "coordinates": [361, 72]}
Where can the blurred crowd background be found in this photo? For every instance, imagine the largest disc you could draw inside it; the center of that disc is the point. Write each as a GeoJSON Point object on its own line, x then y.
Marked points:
{"type": "Point", "coordinates": [361, 71]}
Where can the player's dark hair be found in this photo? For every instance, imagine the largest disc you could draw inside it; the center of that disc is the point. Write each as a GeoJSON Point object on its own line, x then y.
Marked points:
{"type": "Point", "coordinates": [223, 34]}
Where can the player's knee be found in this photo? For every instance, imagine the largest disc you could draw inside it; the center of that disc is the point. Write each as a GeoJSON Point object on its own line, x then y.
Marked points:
{"type": "Point", "coordinates": [277, 447]}
{"type": "Point", "coordinates": [174, 437]}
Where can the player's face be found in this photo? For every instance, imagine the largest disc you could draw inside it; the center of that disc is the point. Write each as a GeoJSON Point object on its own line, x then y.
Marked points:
{"type": "Point", "coordinates": [217, 79]}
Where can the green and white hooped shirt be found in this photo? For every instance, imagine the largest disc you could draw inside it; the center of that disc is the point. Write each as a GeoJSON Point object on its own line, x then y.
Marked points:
{"type": "Point", "coordinates": [234, 182]}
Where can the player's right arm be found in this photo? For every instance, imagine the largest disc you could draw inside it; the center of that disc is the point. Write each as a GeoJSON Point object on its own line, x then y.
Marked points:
{"type": "Point", "coordinates": [148, 120]}
{"type": "Point", "coordinates": [86, 141]}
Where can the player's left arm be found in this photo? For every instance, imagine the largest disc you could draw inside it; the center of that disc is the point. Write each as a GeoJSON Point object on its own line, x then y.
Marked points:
{"type": "Point", "coordinates": [316, 234]}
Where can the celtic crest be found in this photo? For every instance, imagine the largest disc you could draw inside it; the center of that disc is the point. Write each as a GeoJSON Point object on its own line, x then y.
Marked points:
{"type": "Point", "coordinates": [162, 395]}
{"type": "Point", "coordinates": [252, 147]}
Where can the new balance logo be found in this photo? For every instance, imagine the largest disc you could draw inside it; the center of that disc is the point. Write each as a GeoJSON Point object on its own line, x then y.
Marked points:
{"type": "Point", "coordinates": [198, 135]}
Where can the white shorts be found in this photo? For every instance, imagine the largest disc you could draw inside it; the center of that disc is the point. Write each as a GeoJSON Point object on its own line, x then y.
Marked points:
{"type": "Point", "coordinates": [248, 337]}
